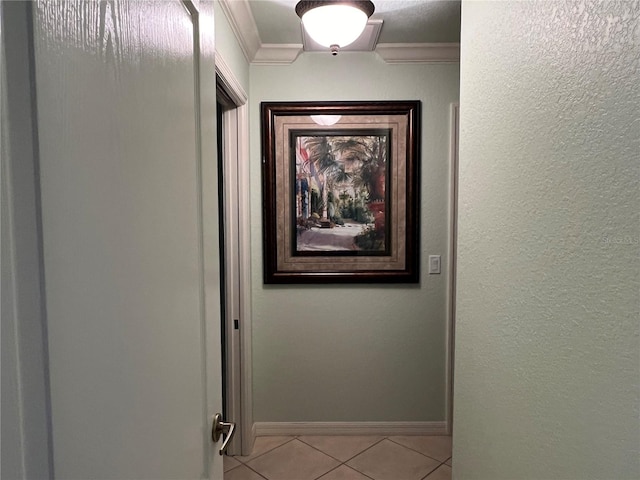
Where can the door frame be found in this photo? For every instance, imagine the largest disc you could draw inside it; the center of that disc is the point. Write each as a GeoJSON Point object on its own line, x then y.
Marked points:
{"type": "Point", "coordinates": [26, 399]}
{"type": "Point", "coordinates": [235, 150]}
{"type": "Point", "coordinates": [453, 241]}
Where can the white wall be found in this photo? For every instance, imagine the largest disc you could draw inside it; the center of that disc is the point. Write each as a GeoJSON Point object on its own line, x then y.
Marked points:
{"type": "Point", "coordinates": [356, 352]}
{"type": "Point", "coordinates": [547, 350]}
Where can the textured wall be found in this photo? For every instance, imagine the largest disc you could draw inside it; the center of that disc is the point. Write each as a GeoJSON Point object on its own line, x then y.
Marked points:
{"type": "Point", "coordinates": [547, 351]}
{"type": "Point", "coordinates": [356, 353]}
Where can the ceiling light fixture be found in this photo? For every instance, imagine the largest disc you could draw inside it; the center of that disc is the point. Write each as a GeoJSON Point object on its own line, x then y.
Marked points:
{"type": "Point", "coordinates": [334, 23]}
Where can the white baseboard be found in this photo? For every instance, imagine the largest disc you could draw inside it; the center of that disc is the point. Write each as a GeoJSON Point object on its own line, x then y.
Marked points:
{"type": "Point", "coordinates": [350, 428]}
{"type": "Point", "coordinates": [247, 446]}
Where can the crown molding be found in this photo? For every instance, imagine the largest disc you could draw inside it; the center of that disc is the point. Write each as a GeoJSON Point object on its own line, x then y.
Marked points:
{"type": "Point", "coordinates": [419, 52]}
{"type": "Point", "coordinates": [277, 53]}
{"type": "Point", "coordinates": [244, 26]}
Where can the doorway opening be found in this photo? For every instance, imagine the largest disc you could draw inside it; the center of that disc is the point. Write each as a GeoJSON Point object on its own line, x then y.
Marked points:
{"type": "Point", "coordinates": [233, 173]}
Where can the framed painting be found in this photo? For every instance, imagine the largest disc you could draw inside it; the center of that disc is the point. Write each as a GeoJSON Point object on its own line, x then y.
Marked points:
{"type": "Point", "coordinates": [340, 191]}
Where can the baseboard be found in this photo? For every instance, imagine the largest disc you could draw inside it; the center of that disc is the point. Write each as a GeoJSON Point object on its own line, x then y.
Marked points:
{"type": "Point", "coordinates": [350, 428]}
{"type": "Point", "coordinates": [247, 447]}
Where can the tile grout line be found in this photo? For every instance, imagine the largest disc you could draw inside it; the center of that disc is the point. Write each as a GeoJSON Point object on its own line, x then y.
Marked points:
{"type": "Point", "coordinates": [426, 477]}
{"type": "Point", "coordinates": [368, 448]}
{"type": "Point", "coordinates": [414, 450]}
{"type": "Point", "coordinates": [240, 464]}
{"type": "Point", "coordinates": [224, 472]}
{"type": "Point", "coordinates": [440, 463]}
{"type": "Point", "coordinates": [326, 473]}
{"type": "Point", "coordinates": [432, 471]}
{"type": "Point", "coordinates": [341, 463]}
{"type": "Point", "coordinates": [289, 441]}
{"type": "Point", "coordinates": [324, 453]}
{"type": "Point", "coordinates": [264, 453]}
{"type": "Point", "coordinates": [348, 459]}
{"type": "Point", "coordinates": [256, 472]}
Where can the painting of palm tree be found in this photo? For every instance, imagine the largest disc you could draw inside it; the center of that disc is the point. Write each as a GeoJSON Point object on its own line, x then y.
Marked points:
{"type": "Point", "coordinates": [340, 192]}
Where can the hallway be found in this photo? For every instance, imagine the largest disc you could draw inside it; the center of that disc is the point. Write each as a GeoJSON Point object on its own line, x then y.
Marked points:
{"type": "Point", "coordinates": [344, 458]}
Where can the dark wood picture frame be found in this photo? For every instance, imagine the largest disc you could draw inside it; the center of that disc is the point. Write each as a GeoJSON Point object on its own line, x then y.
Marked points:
{"type": "Point", "coordinates": [340, 192]}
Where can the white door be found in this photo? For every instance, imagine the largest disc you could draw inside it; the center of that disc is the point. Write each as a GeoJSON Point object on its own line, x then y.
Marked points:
{"type": "Point", "coordinates": [126, 130]}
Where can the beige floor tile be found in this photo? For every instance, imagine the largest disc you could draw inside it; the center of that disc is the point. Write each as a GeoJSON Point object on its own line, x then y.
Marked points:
{"type": "Point", "coordinates": [229, 463]}
{"type": "Point", "coordinates": [344, 473]}
{"type": "Point", "coordinates": [438, 447]}
{"type": "Point", "coordinates": [449, 462]}
{"type": "Point", "coordinates": [442, 473]}
{"type": "Point", "coordinates": [294, 460]}
{"type": "Point", "coordinates": [242, 473]}
{"type": "Point", "coordinates": [389, 461]}
{"type": "Point", "coordinates": [343, 448]}
{"type": "Point", "coordinates": [263, 445]}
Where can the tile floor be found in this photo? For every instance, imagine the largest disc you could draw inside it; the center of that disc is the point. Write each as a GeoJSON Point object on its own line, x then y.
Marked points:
{"type": "Point", "coordinates": [344, 458]}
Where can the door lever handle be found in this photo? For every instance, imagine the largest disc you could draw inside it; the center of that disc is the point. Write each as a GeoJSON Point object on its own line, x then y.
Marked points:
{"type": "Point", "coordinates": [219, 427]}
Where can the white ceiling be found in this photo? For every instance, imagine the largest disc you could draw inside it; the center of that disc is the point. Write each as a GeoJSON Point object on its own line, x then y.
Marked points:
{"type": "Point", "coordinates": [413, 31]}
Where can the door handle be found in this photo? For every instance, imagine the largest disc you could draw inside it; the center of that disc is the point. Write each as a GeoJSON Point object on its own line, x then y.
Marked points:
{"type": "Point", "coordinates": [219, 427]}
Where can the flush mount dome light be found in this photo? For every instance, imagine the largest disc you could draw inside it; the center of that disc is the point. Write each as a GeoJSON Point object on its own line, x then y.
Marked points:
{"type": "Point", "coordinates": [334, 23]}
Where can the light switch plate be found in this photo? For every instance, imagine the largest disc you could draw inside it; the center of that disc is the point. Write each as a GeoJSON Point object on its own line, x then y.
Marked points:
{"type": "Point", "coordinates": [434, 264]}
